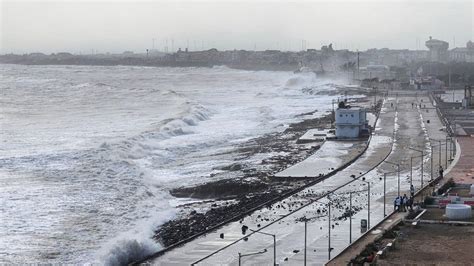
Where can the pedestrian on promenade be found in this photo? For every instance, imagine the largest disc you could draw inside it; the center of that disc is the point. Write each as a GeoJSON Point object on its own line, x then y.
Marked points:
{"type": "Point", "coordinates": [441, 171]}
{"type": "Point", "coordinates": [398, 201]}
{"type": "Point", "coordinates": [410, 203]}
{"type": "Point", "coordinates": [412, 190]}
{"type": "Point", "coordinates": [404, 202]}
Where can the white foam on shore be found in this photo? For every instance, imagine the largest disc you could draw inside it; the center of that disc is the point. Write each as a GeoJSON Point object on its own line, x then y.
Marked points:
{"type": "Point", "coordinates": [135, 244]}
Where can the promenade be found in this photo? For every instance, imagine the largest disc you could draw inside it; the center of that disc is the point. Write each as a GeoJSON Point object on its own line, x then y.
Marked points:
{"type": "Point", "coordinates": [432, 130]}
{"type": "Point", "coordinates": [401, 126]}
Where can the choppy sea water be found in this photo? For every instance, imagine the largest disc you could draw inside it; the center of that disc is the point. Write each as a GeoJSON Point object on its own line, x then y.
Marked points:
{"type": "Point", "coordinates": [88, 154]}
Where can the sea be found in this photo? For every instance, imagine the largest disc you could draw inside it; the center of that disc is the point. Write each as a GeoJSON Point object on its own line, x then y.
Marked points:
{"type": "Point", "coordinates": [88, 154]}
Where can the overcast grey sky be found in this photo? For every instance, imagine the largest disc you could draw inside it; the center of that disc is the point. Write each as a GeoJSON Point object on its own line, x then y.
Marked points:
{"type": "Point", "coordinates": [114, 26]}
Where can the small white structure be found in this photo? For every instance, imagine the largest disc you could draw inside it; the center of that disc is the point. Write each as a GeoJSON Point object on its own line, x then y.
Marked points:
{"type": "Point", "coordinates": [351, 122]}
{"type": "Point", "coordinates": [458, 211]}
{"type": "Point", "coordinates": [313, 135]}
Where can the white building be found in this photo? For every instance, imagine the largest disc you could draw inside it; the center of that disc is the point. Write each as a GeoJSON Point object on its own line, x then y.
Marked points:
{"type": "Point", "coordinates": [376, 71]}
{"type": "Point", "coordinates": [463, 54]}
{"type": "Point", "coordinates": [438, 50]}
{"type": "Point", "coordinates": [351, 122]}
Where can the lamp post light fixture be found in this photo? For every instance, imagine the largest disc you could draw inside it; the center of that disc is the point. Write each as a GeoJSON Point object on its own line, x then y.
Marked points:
{"type": "Point", "coordinates": [306, 220]}
{"type": "Point", "coordinates": [384, 189]}
{"type": "Point", "coordinates": [398, 171]}
{"type": "Point", "coordinates": [440, 144]}
{"type": "Point", "coordinates": [411, 166]}
{"type": "Point", "coordinates": [350, 217]}
{"type": "Point", "coordinates": [368, 202]}
{"type": "Point", "coordinates": [249, 254]}
{"type": "Point", "coordinates": [384, 193]}
{"type": "Point", "coordinates": [350, 213]}
{"type": "Point", "coordinates": [274, 241]}
{"type": "Point", "coordinates": [329, 230]}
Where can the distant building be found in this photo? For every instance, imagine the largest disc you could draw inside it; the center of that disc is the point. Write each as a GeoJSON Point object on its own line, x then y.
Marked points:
{"type": "Point", "coordinates": [351, 122]}
{"type": "Point", "coordinates": [376, 71]}
{"type": "Point", "coordinates": [463, 54]}
{"type": "Point", "coordinates": [438, 50]}
{"type": "Point", "coordinates": [426, 83]}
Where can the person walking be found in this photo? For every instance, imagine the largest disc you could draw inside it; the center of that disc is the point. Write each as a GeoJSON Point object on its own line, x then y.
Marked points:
{"type": "Point", "coordinates": [440, 171]}
{"type": "Point", "coordinates": [412, 191]}
{"type": "Point", "coordinates": [404, 202]}
{"type": "Point", "coordinates": [410, 203]}
{"type": "Point", "coordinates": [397, 203]}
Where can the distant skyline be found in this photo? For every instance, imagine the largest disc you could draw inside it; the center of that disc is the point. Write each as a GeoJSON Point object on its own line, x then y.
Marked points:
{"type": "Point", "coordinates": [117, 26]}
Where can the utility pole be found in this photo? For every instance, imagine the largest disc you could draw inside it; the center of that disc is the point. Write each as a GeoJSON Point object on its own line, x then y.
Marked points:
{"type": "Point", "coordinates": [375, 97]}
{"type": "Point", "coordinates": [431, 163]}
{"type": "Point", "coordinates": [305, 229]}
{"type": "Point", "coordinates": [384, 194]}
{"type": "Point", "coordinates": [446, 154]}
{"type": "Point", "coordinates": [358, 65]}
{"type": "Point", "coordinates": [329, 231]}
{"type": "Point", "coordinates": [368, 206]}
{"type": "Point", "coordinates": [439, 157]}
{"type": "Point", "coordinates": [350, 217]}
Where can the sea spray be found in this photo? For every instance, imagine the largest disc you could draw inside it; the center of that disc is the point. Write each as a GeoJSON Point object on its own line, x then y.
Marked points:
{"type": "Point", "coordinates": [135, 244]}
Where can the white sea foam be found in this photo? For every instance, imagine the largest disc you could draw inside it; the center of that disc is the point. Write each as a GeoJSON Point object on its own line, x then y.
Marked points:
{"type": "Point", "coordinates": [135, 244]}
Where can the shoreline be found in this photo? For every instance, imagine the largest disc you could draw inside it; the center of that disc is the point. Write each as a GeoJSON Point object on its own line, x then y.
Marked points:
{"type": "Point", "coordinates": [144, 63]}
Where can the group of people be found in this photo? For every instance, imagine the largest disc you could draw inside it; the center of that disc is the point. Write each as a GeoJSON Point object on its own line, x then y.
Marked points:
{"type": "Point", "coordinates": [401, 204]}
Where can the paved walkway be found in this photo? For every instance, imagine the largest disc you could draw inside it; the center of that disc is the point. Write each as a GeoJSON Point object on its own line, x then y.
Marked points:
{"type": "Point", "coordinates": [332, 155]}
{"type": "Point", "coordinates": [463, 171]}
{"type": "Point", "coordinates": [432, 130]}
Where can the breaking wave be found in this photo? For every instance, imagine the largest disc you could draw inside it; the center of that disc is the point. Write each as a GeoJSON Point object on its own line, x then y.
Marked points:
{"type": "Point", "coordinates": [133, 245]}
{"type": "Point", "coordinates": [301, 80]}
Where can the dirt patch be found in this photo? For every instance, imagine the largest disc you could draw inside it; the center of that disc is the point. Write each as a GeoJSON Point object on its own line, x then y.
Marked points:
{"type": "Point", "coordinates": [438, 215]}
{"type": "Point", "coordinates": [432, 244]}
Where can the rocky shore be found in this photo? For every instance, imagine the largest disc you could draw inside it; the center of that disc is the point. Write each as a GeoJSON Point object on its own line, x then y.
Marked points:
{"type": "Point", "coordinates": [253, 186]}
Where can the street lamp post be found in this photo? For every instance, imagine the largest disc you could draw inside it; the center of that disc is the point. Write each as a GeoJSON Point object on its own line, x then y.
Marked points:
{"type": "Point", "coordinates": [398, 171]}
{"type": "Point", "coordinates": [446, 154]}
{"type": "Point", "coordinates": [329, 230]}
{"type": "Point", "coordinates": [249, 254]}
{"type": "Point", "coordinates": [350, 217]}
{"type": "Point", "coordinates": [384, 193]}
{"type": "Point", "coordinates": [440, 144]}
{"type": "Point", "coordinates": [431, 162]}
{"type": "Point", "coordinates": [368, 202]}
{"type": "Point", "coordinates": [274, 242]}
{"type": "Point", "coordinates": [306, 220]}
{"type": "Point", "coordinates": [305, 245]}
{"type": "Point", "coordinates": [439, 156]}
{"type": "Point", "coordinates": [411, 166]}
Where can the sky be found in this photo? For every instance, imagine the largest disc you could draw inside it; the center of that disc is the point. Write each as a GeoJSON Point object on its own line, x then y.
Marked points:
{"type": "Point", "coordinates": [86, 26]}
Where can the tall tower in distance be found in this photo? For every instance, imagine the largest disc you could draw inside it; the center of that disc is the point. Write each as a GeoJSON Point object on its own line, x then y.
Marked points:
{"type": "Point", "coordinates": [438, 50]}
